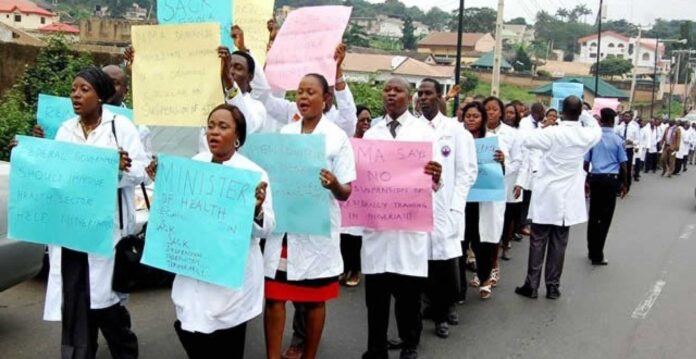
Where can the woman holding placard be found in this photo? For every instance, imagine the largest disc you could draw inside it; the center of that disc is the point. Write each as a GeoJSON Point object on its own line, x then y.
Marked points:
{"type": "Point", "coordinates": [305, 268]}
{"type": "Point", "coordinates": [211, 320]}
{"type": "Point", "coordinates": [484, 220]}
{"type": "Point", "coordinates": [79, 290]}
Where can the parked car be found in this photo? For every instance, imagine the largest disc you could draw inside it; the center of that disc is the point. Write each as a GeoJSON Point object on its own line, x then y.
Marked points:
{"type": "Point", "coordinates": [19, 261]}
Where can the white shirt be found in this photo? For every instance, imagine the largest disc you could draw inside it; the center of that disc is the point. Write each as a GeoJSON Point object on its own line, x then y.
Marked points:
{"type": "Point", "coordinates": [559, 188]}
{"type": "Point", "coordinates": [101, 269]}
{"type": "Point", "coordinates": [492, 214]}
{"type": "Point", "coordinates": [632, 133]}
{"type": "Point", "coordinates": [314, 256]}
{"type": "Point", "coordinates": [254, 114]}
{"type": "Point", "coordinates": [205, 307]}
{"type": "Point", "coordinates": [399, 252]}
{"type": "Point", "coordinates": [529, 164]}
{"type": "Point", "coordinates": [459, 170]}
{"type": "Point", "coordinates": [650, 138]}
{"type": "Point", "coordinates": [683, 145]}
{"type": "Point", "coordinates": [510, 140]}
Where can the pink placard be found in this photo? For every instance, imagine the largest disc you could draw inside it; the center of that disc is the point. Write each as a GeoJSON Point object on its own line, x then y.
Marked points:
{"type": "Point", "coordinates": [306, 43]}
{"type": "Point", "coordinates": [392, 191]}
{"type": "Point", "coordinates": [600, 103]}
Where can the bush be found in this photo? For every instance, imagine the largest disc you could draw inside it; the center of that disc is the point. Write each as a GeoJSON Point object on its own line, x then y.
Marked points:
{"type": "Point", "coordinates": [368, 95]}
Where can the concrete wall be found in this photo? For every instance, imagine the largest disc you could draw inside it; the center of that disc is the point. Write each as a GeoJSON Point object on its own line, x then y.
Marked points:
{"type": "Point", "coordinates": [16, 58]}
{"type": "Point", "coordinates": [101, 31]}
{"type": "Point", "coordinates": [28, 21]}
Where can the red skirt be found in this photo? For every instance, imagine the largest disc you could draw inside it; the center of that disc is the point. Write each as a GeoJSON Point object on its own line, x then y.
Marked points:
{"type": "Point", "coordinates": [308, 290]}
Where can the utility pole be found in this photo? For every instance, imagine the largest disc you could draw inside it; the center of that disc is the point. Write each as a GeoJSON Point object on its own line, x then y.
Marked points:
{"type": "Point", "coordinates": [687, 84]}
{"type": "Point", "coordinates": [495, 85]}
{"type": "Point", "coordinates": [458, 64]}
{"type": "Point", "coordinates": [671, 86]}
{"type": "Point", "coordinates": [599, 48]}
{"type": "Point", "coordinates": [652, 102]}
{"type": "Point", "coordinates": [636, 51]}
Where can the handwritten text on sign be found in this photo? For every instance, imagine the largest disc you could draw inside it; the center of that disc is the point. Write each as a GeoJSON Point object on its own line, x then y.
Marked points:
{"type": "Point", "coordinates": [490, 183]}
{"type": "Point", "coordinates": [63, 194]}
{"type": "Point", "coordinates": [251, 16]}
{"type": "Point", "coordinates": [52, 111]}
{"type": "Point", "coordinates": [176, 76]}
{"type": "Point", "coordinates": [392, 191]}
{"type": "Point", "coordinates": [200, 224]}
{"type": "Point", "coordinates": [293, 164]}
{"type": "Point", "coordinates": [306, 44]}
{"type": "Point", "coordinates": [195, 11]}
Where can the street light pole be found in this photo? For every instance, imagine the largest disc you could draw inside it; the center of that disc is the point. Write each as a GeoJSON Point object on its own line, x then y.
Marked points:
{"type": "Point", "coordinates": [671, 87]}
{"type": "Point", "coordinates": [497, 57]}
{"type": "Point", "coordinates": [652, 102]}
{"type": "Point", "coordinates": [636, 51]}
{"type": "Point", "coordinates": [458, 64]}
{"type": "Point", "coordinates": [599, 49]}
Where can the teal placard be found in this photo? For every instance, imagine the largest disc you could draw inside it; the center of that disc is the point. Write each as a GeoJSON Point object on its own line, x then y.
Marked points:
{"type": "Point", "coordinates": [52, 111]}
{"type": "Point", "coordinates": [63, 194]}
{"type": "Point", "coordinates": [293, 163]}
{"type": "Point", "coordinates": [183, 12]}
{"type": "Point", "coordinates": [490, 182]}
{"type": "Point", "coordinates": [201, 220]}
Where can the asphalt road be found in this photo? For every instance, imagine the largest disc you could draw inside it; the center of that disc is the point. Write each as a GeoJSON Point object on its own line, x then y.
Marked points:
{"type": "Point", "coordinates": [640, 306]}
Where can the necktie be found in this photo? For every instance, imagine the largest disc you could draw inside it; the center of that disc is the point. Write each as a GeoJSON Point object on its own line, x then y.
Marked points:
{"type": "Point", "coordinates": [393, 126]}
{"type": "Point", "coordinates": [625, 131]}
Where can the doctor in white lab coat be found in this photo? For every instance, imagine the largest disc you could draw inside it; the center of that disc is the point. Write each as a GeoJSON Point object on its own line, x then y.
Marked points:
{"type": "Point", "coordinates": [559, 195]}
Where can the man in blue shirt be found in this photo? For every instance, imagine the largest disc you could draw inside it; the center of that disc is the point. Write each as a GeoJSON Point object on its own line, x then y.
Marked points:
{"type": "Point", "coordinates": [607, 177]}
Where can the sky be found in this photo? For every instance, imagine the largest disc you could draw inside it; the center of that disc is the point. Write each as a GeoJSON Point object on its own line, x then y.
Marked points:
{"type": "Point", "coordinates": [643, 12]}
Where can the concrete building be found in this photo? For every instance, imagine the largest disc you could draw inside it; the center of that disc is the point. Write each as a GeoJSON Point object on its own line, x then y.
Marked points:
{"type": "Point", "coordinates": [136, 13]}
{"type": "Point", "coordinates": [389, 27]}
{"type": "Point", "coordinates": [618, 45]}
{"type": "Point", "coordinates": [518, 34]}
{"type": "Point", "coordinates": [25, 15]}
{"type": "Point", "coordinates": [443, 45]}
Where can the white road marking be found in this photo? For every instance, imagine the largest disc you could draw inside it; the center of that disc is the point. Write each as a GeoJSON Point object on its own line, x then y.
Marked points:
{"type": "Point", "coordinates": [644, 307]}
{"type": "Point", "coordinates": [688, 232]}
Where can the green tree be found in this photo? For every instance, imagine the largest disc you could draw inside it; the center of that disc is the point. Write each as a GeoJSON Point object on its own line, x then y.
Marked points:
{"type": "Point", "coordinates": [475, 19]}
{"type": "Point", "coordinates": [468, 81]}
{"type": "Point", "coordinates": [612, 66]}
{"type": "Point", "coordinates": [437, 19]}
{"type": "Point", "coordinates": [622, 27]}
{"type": "Point", "coordinates": [368, 95]}
{"type": "Point", "coordinates": [564, 35]}
{"type": "Point", "coordinates": [409, 40]}
{"type": "Point", "coordinates": [518, 21]}
{"type": "Point", "coordinates": [356, 36]}
{"type": "Point", "coordinates": [521, 62]}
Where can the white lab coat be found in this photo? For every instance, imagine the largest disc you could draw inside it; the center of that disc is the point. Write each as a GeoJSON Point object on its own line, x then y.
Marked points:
{"type": "Point", "coordinates": [632, 133]}
{"type": "Point", "coordinates": [399, 252]}
{"type": "Point", "coordinates": [254, 114]}
{"type": "Point", "coordinates": [314, 256]}
{"type": "Point", "coordinates": [492, 214]}
{"type": "Point", "coordinates": [205, 307]}
{"type": "Point", "coordinates": [652, 138]}
{"type": "Point", "coordinates": [101, 269]}
{"type": "Point", "coordinates": [684, 144]}
{"type": "Point", "coordinates": [644, 144]}
{"type": "Point", "coordinates": [459, 170]}
{"type": "Point", "coordinates": [529, 164]}
{"type": "Point", "coordinates": [559, 187]}
{"type": "Point", "coordinates": [510, 138]}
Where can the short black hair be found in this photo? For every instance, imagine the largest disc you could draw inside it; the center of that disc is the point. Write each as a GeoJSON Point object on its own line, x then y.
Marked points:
{"type": "Point", "coordinates": [251, 65]}
{"type": "Point", "coordinates": [572, 108]}
{"type": "Point", "coordinates": [102, 84]}
{"type": "Point", "coordinates": [239, 120]}
{"type": "Point", "coordinates": [484, 115]}
{"type": "Point", "coordinates": [551, 110]}
{"type": "Point", "coordinates": [607, 115]}
{"type": "Point", "coordinates": [322, 81]}
{"type": "Point", "coordinates": [361, 108]}
{"type": "Point", "coordinates": [437, 84]}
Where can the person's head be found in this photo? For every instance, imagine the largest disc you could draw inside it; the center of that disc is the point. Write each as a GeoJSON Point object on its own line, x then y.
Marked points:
{"type": "Point", "coordinates": [120, 84]}
{"type": "Point", "coordinates": [91, 88]}
{"type": "Point", "coordinates": [242, 67]}
{"type": "Point", "coordinates": [226, 131]}
{"type": "Point", "coordinates": [512, 116]}
{"type": "Point", "coordinates": [627, 116]}
{"type": "Point", "coordinates": [572, 108]}
{"type": "Point", "coordinates": [312, 95]}
{"type": "Point", "coordinates": [479, 98]}
{"type": "Point", "coordinates": [693, 125]}
{"type": "Point", "coordinates": [475, 119]}
{"type": "Point", "coordinates": [537, 112]}
{"type": "Point", "coordinates": [468, 99]}
{"type": "Point", "coordinates": [671, 123]}
{"type": "Point", "coordinates": [364, 121]}
{"type": "Point", "coordinates": [396, 95]}
{"type": "Point", "coordinates": [521, 108]}
{"type": "Point", "coordinates": [552, 116]}
{"type": "Point", "coordinates": [429, 95]}
{"type": "Point", "coordinates": [494, 110]}
{"type": "Point", "coordinates": [586, 106]}
{"type": "Point", "coordinates": [607, 117]}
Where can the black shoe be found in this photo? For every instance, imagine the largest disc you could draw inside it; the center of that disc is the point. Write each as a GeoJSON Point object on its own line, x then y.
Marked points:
{"type": "Point", "coordinates": [552, 292]}
{"type": "Point", "coordinates": [603, 262]}
{"type": "Point", "coordinates": [375, 355]}
{"type": "Point", "coordinates": [427, 313]}
{"type": "Point", "coordinates": [636, 179]}
{"type": "Point", "coordinates": [408, 354]}
{"type": "Point", "coordinates": [442, 330]}
{"type": "Point", "coordinates": [527, 292]}
{"type": "Point", "coordinates": [453, 318]}
{"type": "Point", "coordinates": [393, 344]}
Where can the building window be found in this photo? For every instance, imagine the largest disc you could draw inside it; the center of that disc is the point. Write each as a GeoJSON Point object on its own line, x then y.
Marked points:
{"type": "Point", "coordinates": [611, 45]}
{"type": "Point", "coordinates": [593, 55]}
{"type": "Point", "coordinates": [593, 44]}
{"type": "Point", "coordinates": [43, 20]}
{"type": "Point", "coordinates": [621, 46]}
{"type": "Point", "coordinates": [646, 56]}
{"type": "Point", "coordinates": [18, 18]}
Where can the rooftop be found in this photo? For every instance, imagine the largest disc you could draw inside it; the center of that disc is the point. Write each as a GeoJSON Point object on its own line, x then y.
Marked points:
{"type": "Point", "coordinates": [605, 89]}
{"type": "Point", "coordinates": [23, 6]}
{"type": "Point", "coordinates": [60, 27]}
{"type": "Point", "coordinates": [450, 39]}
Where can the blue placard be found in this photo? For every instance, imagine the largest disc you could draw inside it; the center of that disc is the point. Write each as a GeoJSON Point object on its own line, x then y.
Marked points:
{"type": "Point", "coordinates": [52, 111]}
{"type": "Point", "coordinates": [293, 163]}
{"type": "Point", "coordinates": [63, 194]}
{"type": "Point", "coordinates": [564, 89]}
{"type": "Point", "coordinates": [490, 182]}
{"type": "Point", "coordinates": [201, 220]}
{"type": "Point", "coordinates": [178, 12]}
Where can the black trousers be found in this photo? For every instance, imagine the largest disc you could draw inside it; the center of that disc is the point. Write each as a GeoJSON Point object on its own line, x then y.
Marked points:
{"type": "Point", "coordinates": [685, 162]}
{"type": "Point", "coordinates": [224, 343]}
{"type": "Point", "coordinates": [603, 189]}
{"type": "Point", "coordinates": [407, 291]}
{"type": "Point", "coordinates": [651, 162]}
{"type": "Point", "coordinates": [546, 241]}
{"type": "Point", "coordinates": [511, 221]}
{"type": "Point", "coordinates": [677, 165]}
{"type": "Point", "coordinates": [484, 251]}
{"type": "Point", "coordinates": [350, 249]}
{"type": "Point", "coordinates": [629, 166]}
{"type": "Point", "coordinates": [81, 324]}
{"type": "Point", "coordinates": [442, 287]}
{"type": "Point", "coordinates": [637, 168]}
{"type": "Point", "coordinates": [524, 211]}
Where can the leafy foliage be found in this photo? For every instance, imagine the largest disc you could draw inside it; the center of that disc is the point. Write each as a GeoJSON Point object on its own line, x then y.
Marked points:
{"type": "Point", "coordinates": [521, 62]}
{"type": "Point", "coordinates": [475, 19]}
{"type": "Point", "coordinates": [409, 39]}
{"type": "Point", "coordinates": [468, 81]}
{"type": "Point", "coordinates": [564, 35]}
{"type": "Point", "coordinates": [368, 95]}
{"type": "Point", "coordinates": [356, 36]}
{"type": "Point", "coordinates": [612, 66]}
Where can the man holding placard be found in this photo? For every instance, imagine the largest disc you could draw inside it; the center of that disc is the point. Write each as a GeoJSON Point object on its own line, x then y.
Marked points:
{"type": "Point", "coordinates": [395, 262]}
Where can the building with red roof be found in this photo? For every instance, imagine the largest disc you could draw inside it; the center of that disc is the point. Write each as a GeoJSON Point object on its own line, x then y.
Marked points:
{"type": "Point", "coordinates": [25, 14]}
{"type": "Point", "coordinates": [57, 27]}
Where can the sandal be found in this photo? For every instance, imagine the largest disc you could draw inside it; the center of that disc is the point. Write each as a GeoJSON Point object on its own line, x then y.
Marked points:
{"type": "Point", "coordinates": [475, 282]}
{"type": "Point", "coordinates": [353, 280]}
{"type": "Point", "coordinates": [495, 277]}
{"type": "Point", "coordinates": [485, 292]}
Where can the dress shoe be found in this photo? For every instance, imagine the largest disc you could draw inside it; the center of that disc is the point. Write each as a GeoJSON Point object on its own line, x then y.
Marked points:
{"type": "Point", "coordinates": [453, 318]}
{"type": "Point", "coordinates": [442, 330]}
{"type": "Point", "coordinates": [552, 292]}
{"type": "Point", "coordinates": [408, 354]}
{"type": "Point", "coordinates": [427, 313]}
{"type": "Point", "coordinates": [393, 344]}
{"type": "Point", "coordinates": [375, 355]}
{"type": "Point", "coordinates": [603, 262]}
{"type": "Point", "coordinates": [527, 292]}
{"type": "Point", "coordinates": [517, 237]}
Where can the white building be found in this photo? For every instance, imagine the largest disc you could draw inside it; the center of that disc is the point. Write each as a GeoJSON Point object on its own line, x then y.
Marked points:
{"type": "Point", "coordinates": [618, 45]}
{"type": "Point", "coordinates": [390, 27]}
{"type": "Point", "coordinates": [136, 13]}
{"type": "Point", "coordinates": [24, 14]}
{"type": "Point", "coordinates": [518, 34]}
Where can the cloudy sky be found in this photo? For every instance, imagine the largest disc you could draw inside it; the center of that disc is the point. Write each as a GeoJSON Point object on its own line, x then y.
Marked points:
{"type": "Point", "coordinates": [638, 11]}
